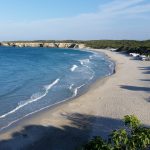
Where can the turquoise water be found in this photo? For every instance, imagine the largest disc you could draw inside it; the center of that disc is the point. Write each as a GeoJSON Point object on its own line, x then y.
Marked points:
{"type": "Point", "coordinates": [32, 79]}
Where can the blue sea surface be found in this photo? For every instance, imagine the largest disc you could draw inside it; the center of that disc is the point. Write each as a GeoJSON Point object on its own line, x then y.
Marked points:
{"type": "Point", "coordinates": [32, 79]}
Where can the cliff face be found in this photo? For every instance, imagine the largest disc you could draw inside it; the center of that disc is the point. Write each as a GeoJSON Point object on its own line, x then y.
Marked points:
{"type": "Point", "coordinates": [37, 44]}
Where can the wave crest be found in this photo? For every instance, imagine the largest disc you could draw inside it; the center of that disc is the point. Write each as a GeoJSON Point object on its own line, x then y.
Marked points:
{"type": "Point", "coordinates": [84, 61]}
{"type": "Point", "coordinates": [33, 98]}
{"type": "Point", "coordinates": [73, 68]}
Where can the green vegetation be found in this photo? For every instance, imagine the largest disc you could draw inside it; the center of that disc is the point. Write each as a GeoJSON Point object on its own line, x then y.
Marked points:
{"type": "Point", "coordinates": [133, 137]}
{"type": "Point", "coordinates": [129, 46]}
{"type": "Point", "coordinates": [117, 43]}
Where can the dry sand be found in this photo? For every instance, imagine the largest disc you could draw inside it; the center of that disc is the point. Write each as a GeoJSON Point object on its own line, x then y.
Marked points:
{"type": "Point", "coordinates": [98, 111]}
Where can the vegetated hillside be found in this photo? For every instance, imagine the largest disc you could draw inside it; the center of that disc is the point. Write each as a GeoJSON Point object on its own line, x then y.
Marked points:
{"type": "Point", "coordinates": [117, 43]}
{"type": "Point", "coordinates": [141, 47]}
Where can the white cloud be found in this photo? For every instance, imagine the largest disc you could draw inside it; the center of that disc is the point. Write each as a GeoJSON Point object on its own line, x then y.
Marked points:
{"type": "Point", "coordinates": [118, 5]}
{"type": "Point", "coordinates": [85, 26]}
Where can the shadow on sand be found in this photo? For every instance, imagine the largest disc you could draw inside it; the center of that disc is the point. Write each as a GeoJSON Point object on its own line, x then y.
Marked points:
{"type": "Point", "coordinates": [148, 99]}
{"type": "Point", "coordinates": [65, 138]}
{"type": "Point", "coordinates": [135, 88]}
{"type": "Point", "coordinates": [146, 70]}
{"type": "Point", "coordinates": [146, 80]}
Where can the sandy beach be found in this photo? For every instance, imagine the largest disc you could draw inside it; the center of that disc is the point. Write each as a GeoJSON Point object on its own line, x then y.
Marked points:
{"type": "Point", "coordinates": [97, 112]}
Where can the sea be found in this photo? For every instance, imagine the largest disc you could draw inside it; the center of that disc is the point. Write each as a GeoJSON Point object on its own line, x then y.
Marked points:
{"type": "Point", "coordinates": [33, 79]}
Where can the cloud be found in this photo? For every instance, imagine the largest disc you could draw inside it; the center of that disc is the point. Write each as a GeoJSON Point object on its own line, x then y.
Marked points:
{"type": "Point", "coordinates": [128, 7]}
{"type": "Point", "coordinates": [119, 5]}
{"type": "Point", "coordinates": [108, 22]}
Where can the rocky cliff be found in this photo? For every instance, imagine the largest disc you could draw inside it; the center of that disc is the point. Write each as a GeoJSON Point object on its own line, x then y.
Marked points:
{"type": "Point", "coordinates": [38, 44]}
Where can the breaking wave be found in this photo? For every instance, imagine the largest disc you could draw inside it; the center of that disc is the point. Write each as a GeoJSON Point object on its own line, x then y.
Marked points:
{"type": "Point", "coordinates": [73, 68]}
{"type": "Point", "coordinates": [33, 98]}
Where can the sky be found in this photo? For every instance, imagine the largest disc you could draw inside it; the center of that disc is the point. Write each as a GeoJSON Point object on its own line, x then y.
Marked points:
{"type": "Point", "coordinates": [74, 19]}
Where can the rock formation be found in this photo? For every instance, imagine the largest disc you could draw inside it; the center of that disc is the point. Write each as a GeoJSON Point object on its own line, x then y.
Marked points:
{"type": "Point", "coordinates": [45, 44]}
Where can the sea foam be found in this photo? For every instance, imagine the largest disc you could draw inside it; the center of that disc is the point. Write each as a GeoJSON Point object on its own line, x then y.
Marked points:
{"type": "Point", "coordinates": [33, 98]}
{"type": "Point", "coordinates": [73, 68]}
{"type": "Point", "coordinates": [84, 61]}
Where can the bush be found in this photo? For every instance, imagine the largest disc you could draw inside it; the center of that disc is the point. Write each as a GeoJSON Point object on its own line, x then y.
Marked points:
{"type": "Point", "coordinates": [133, 137]}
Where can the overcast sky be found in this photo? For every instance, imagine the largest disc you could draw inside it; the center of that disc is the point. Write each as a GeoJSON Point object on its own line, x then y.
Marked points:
{"type": "Point", "coordinates": [74, 19]}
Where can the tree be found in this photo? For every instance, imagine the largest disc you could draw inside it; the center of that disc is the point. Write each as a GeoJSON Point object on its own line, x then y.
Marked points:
{"type": "Point", "coordinates": [133, 137]}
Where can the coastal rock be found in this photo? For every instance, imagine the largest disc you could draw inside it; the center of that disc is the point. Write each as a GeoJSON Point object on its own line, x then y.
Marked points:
{"type": "Point", "coordinates": [37, 44]}
{"type": "Point", "coordinates": [51, 45]}
{"type": "Point", "coordinates": [62, 45]}
{"type": "Point", "coordinates": [5, 44]}
{"type": "Point", "coordinates": [26, 44]}
{"type": "Point", "coordinates": [20, 44]}
{"type": "Point", "coordinates": [76, 46]}
{"type": "Point", "coordinates": [12, 44]}
{"type": "Point", "coordinates": [81, 46]}
{"type": "Point", "coordinates": [71, 45]}
{"type": "Point", "coordinates": [66, 45]}
{"type": "Point", "coordinates": [33, 44]}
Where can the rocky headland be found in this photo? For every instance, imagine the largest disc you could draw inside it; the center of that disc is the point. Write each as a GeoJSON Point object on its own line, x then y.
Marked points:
{"type": "Point", "coordinates": [43, 44]}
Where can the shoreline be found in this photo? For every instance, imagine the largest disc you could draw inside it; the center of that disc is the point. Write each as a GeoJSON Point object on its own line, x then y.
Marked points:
{"type": "Point", "coordinates": [87, 87]}
{"type": "Point", "coordinates": [105, 103]}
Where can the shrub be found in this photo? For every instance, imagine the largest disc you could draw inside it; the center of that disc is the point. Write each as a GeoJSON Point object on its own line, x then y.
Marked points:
{"type": "Point", "coordinates": [133, 137]}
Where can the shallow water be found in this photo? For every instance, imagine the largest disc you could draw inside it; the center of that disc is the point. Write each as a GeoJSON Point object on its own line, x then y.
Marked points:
{"type": "Point", "coordinates": [35, 78]}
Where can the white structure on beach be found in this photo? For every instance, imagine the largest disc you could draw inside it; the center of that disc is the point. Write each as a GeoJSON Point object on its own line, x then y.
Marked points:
{"type": "Point", "coordinates": [134, 54]}
{"type": "Point", "coordinates": [141, 57]}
